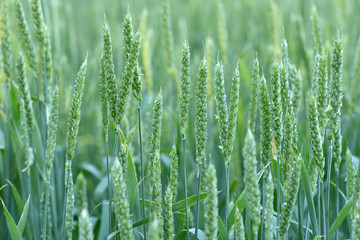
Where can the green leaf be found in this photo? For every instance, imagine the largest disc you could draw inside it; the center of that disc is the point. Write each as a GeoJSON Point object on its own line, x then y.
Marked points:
{"type": "Point", "coordinates": [92, 169]}
{"type": "Point", "coordinates": [1, 188]}
{"type": "Point", "coordinates": [222, 229]}
{"type": "Point", "coordinates": [13, 229]}
{"type": "Point", "coordinates": [113, 234]}
{"type": "Point", "coordinates": [17, 196]}
{"type": "Point", "coordinates": [131, 181]}
{"type": "Point", "coordinates": [240, 204]}
{"type": "Point", "coordinates": [182, 235]}
{"type": "Point", "coordinates": [342, 215]}
{"type": "Point", "coordinates": [305, 183]}
{"type": "Point", "coordinates": [23, 217]}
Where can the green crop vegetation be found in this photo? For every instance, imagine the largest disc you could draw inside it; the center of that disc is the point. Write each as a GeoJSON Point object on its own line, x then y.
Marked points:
{"type": "Point", "coordinates": [165, 119]}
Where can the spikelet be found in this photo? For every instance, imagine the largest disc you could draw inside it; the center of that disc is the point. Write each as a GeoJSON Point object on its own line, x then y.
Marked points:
{"type": "Point", "coordinates": [69, 207]}
{"type": "Point", "coordinates": [316, 30]}
{"type": "Point", "coordinates": [51, 132]}
{"type": "Point", "coordinates": [351, 175]}
{"type": "Point", "coordinates": [276, 106]}
{"type": "Point", "coordinates": [109, 71]}
{"type": "Point", "coordinates": [104, 99]}
{"type": "Point", "coordinates": [168, 215]}
{"type": "Point", "coordinates": [336, 93]}
{"type": "Point", "coordinates": [356, 220]}
{"type": "Point", "coordinates": [296, 85]}
{"type": "Point", "coordinates": [209, 46]}
{"type": "Point", "coordinates": [128, 76]}
{"type": "Point", "coordinates": [74, 117]}
{"type": "Point", "coordinates": [168, 35]}
{"type": "Point", "coordinates": [221, 107]}
{"type": "Point", "coordinates": [239, 226]}
{"type": "Point", "coordinates": [185, 88]}
{"type": "Point", "coordinates": [269, 209]}
{"type": "Point", "coordinates": [39, 21]}
{"type": "Point", "coordinates": [85, 226]}
{"type": "Point", "coordinates": [154, 230]}
{"type": "Point", "coordinates": [288, 206]}
{"type": "Point", "coordinates": [25, 94]}
{"type": "Point", "coordinates": [145, 53]}
{"type": "Point", "coordinates": [356, 73]}
{"type": "Point", "coordinates": [254, 91]}
{"type": "Point", "coordinates": [265, 126]}
{"type": "Point", "coordinates": [28, 155]}
{"type": "Point", "coordinates": [318, 161]}
{"type": "Point", "coordinates": [201, 113]}
{"type": "Point", "coordinates": [322, 91]}
{"type": "Point", "coordinates": [136, 84]}
{"type": "Point", "coordinates": [211, 211]}
{"type": "Point", "coordinates": [221, 27]}
{"type": "Point", "coordinates": [233, 109]}
{"type": "Point", "coordinates": [121, 201]}
{"type": "Point", "coordinates": [81, 192]}
{"type": "Point", "coordinates": [48, 57]}
{"type": "Point", "coordinates": [174, 172]}
{"type": "Point", "coordinates": [5, 41]}
{"type": "Point", "coordinates": [275, 25]}
{"type": "Point", "coordinates": [128, 33]}
{"type": "Point", "coordinates": [250, 180]}
{"type": "Point", "coordinates": [25, 35]}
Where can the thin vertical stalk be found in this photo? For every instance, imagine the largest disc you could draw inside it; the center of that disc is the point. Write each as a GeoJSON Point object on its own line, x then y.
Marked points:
{"type": "Point", "coordinates": [64, 209]}
{"type": "Point", "coordinates": [263, 209]}
{"type": "Point", "coordinates": [142, 170]}
{"type": "Point", "coordinates": [108, 181]}
{"type": "Point", "coordinates": [307, 224]}
{"type": "Point", "coordinates": [45, 208]}
{"type": "Point", "coordinates": [185, 188]}
{"type": "Point", "coordinates": [300, 217]}
{"type": "Point", "coordinates": [227, 166]}
{"type": "Point", "coordinates": [318, 200]}
{"type": "Point", "coordinates": [198, 203]}
{"type": "Point", "coordinates": [8, 141]}
{"type": "Point", "coordinates": [327, 200]}
{"type": "Point", "coordinates": [278, 195]}
{"type": "Point", "coordinates": [337, 198]}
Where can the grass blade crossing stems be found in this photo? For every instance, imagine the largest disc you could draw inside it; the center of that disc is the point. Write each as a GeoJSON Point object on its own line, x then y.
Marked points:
{"type": "Point", "coordinates": [72, 136]}
{"type": "Point", "coordinates": [341, 217]}
{"type": "Point", "coordinates": [201, 129]}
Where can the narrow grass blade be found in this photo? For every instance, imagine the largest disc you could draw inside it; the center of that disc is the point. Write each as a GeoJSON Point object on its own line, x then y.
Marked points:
{"type": "Point", "coordinates": [13, 229]}
{"type": "Point", "coordinates": [305, 183]}
{"type": "Point", "coordinates": [23, 218]}
{"type": "Point", "coordinates": [222, 229]}
{"type": "Point", "coordinates": [341, 217]}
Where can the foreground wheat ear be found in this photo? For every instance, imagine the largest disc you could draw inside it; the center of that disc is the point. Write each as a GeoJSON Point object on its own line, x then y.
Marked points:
{"type": "Point", "coordinates": [72, 136]}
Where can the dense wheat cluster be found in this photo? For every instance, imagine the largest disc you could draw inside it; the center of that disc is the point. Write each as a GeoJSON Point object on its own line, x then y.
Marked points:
{"type": "Point", "coordinates": [163, 119]}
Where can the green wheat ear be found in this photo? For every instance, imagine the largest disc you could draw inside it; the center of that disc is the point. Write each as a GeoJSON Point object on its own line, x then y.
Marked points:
{"type": "Point", "coordinates": [351, 175]}
{"type": "Point", "coordinates": [239, 226]}
{"type": "Point", "coordinates": [184, 87]}
{"type": "Point", "coordinates": [81, 192]}
{"type": "Point", "coordinates": [104, 98]}
{"type": "Point", "coordinates": [85, 226]}
{"type": "Point", "coordinates": [316, 30]}
{"type": "Point", "coordinates": [24, 35]}
{"type": "Point", "coordinates": [174, 172]}
{"type": "Point", "coordinates": [168, 215]}
{"type": "Point", "coordinates": [254, 91]}
{"type": "Point", "coordinates": [154, 230]}
{"type": "Point", "coordinates": [221, 26]}
{"type": "Point", "coordinates": [276, 106]}
{"type": "Point", "coordinates": [211, 211]}
{"type": "Point", "coordinates": [250, 180]}
{"type": "Point", "coordinates": [121, 203]}
{"type": "Point", "coordinates": [269, 209]}
{"type": "Point", "coordinates": [5, 41]}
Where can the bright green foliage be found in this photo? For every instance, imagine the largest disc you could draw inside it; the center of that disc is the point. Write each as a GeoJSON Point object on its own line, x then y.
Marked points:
{"type": "Point", "coordinates": [168, 215]}
{"type": "Point", "coordinates": [121, 203]}
{"type": "Point", "coordinates": [23, 32]}
{"type": "Point", "coordinates": [5, 41]}
{"type": "Point", "coordinates": [250, 180]}
{"type": "Point", "coordinates": [81, 192]}
{"type": "Point", "coordinates": [201, 113]}
{"type": "Point", "coordinates": [254, 91]}
{"type": "Point", "coordinates": [265, 120]}
{"type": "Point", "coordinates": [239, 226]}
{"type": "Point", "coordinates": [288, 206]}
{"type": "Point", "coordinates": [174, 172]}
{"type": "Point", "coordinates": [211, 202]}
{"type": "Point", "coordinates": [269, 209]}
{"type": "Point", "coordinates": [85, 226]}
{"type": "Point", "coordinates": [317, 161]}
{"type": "Point", "coordinates": [108, 70]}
{"type": "Point", "coordinates": [185, 88]}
